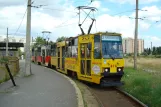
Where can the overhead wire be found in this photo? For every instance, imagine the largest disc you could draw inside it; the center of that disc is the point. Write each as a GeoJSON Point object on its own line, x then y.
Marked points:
{"type": "Point", "coordinates": [20, 22]}
{"type": "Point", "coordinates": [65, 21]}
{"type": "Point", "coordinates": [156, 22]}
{"type": "Point", "coordinates": [59, 10]}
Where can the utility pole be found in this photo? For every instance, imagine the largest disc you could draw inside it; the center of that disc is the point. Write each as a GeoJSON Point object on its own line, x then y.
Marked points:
{"type": "Point", "coordinates": [136, 36]}
{"type": "Point", "coordinates": [151, 48]}
{"type": "Point", "coordinates": [7, 43]}
{"type": "Point", "coordinates": [28, 37]}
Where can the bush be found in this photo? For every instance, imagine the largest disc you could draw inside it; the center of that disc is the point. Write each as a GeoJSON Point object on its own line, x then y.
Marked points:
{"type": "Point", "coordinates": [158, 56]}
{"type": "Point", "coordinates": [4, 60]}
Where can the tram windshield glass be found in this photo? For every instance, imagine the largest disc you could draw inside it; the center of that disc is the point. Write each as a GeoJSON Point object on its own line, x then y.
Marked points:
{"type": "Point", "coordinates": [112, 47]}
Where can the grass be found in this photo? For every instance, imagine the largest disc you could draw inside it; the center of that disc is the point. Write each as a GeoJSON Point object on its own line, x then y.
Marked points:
{"type": "Point", "coordinates": [3, 80]}
{"type": "Point", "coordinates": [152, 64]}
{"type": "Point", "coordinates": [144, 86]}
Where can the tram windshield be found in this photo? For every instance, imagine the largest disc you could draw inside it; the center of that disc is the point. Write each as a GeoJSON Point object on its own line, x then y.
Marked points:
{"type": "Point", "coordinates": [112, 47]}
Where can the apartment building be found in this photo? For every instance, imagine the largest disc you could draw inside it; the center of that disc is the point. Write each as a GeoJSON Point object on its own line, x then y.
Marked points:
{"type": "Point", "coordinates": [128, 45]}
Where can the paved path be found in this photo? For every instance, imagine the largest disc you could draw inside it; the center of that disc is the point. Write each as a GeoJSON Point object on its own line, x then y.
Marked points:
{"type": "Point", "coordinates": [43, 89]}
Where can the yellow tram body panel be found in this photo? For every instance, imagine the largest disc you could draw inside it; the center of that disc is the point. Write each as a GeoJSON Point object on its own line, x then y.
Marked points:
{"type": "Point", "coordinates": [71, 64]}
{"type": "Point", "coordinates": [54, 61]}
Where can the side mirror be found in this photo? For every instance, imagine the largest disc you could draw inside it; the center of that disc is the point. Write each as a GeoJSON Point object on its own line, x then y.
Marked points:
{"type": "Point", "coordinates": [89, 46]}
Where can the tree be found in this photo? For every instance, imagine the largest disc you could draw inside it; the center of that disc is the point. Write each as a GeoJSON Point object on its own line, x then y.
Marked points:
{"type": "Point", "coordinates": [149, 51]}
{"type": "Point", "coordinates": [154, 50]}
{"type": "Point", "coordinates": [61, 39]}
{"type": "Point", "coordinates": [40, 41]}
{"type": "Point", "coordinates": [19, 52]}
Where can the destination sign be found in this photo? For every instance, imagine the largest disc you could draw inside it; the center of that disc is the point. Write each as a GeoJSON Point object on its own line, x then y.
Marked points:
{"type": "Point", "coordinates": [111, 38]}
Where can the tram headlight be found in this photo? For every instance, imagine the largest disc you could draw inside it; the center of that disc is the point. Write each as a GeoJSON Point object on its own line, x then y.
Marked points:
{"type": "Point", "coordinates": [106, 70]}
{"type": "Point", "coordinates": [119, 69]}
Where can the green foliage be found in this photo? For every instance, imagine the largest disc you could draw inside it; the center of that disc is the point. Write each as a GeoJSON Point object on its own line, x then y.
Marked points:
{"type": "Point", "coordinates": [4, 60]}
{"type": "Point", "coordinates": [19, 52]}
{"type": "Point", "coordinates": [144, 53]}
{"type": "Point", "coordinates": [39, 41]}
{"type": "Point", "coordinates": [144, 86]}
{"type": "Point", "coordinates": [61, 39]}
{"type": "Point", "coordinates": [156, 52]}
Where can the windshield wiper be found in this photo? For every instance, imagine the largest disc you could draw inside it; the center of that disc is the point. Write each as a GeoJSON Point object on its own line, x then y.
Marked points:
{"type": "Point", "coordinates": [109, 54]}
{"type": "Point", "coordinates": [113, 58]}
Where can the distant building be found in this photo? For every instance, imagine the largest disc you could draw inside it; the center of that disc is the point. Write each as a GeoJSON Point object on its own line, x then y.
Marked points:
{"type": "Point", "coordinates": [128, 45]}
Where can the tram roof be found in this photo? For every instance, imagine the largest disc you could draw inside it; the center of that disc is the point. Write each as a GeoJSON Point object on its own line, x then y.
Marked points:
{"type": "Point", "coordinates": [98, 33]}
{"type": "Point", "coordinates": [109, 33]}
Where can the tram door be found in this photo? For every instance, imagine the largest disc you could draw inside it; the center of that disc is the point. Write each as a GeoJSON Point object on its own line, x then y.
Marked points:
{"type": "Point", "coordinates": [63, 57]}
{"type": "Point", "coordinates": [85, 52]}
{"type": "Point", "coordinates": [58, 66]}
{"type": "Point", "coordinates": [43, 56]}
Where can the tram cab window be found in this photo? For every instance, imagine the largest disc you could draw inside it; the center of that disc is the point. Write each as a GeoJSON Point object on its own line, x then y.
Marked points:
{"type": "Point", "coordinates": [97, 47]}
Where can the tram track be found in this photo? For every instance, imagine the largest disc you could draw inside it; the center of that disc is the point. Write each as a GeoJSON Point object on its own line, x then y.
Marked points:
{"type": "Point", "coordinates": [113, 97]}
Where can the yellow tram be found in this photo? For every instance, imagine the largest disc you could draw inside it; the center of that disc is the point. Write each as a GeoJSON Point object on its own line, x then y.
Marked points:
{"type": "Point", "coordinates": [95, 58]}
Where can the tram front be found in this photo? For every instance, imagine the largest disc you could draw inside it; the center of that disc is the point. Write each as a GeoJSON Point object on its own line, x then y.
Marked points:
{"type": "Point", "coordinates": [108, 48]}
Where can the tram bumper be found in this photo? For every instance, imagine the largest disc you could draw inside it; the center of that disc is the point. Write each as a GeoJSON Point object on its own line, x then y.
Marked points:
{"type": "Point", "coordinates": [112, 79]}
{"type": "Point", "coordinates": [111, 83]}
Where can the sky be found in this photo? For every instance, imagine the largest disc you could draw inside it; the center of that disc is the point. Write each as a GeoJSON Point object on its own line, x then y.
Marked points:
{"type": "Point", "coordinates": [60, 17]}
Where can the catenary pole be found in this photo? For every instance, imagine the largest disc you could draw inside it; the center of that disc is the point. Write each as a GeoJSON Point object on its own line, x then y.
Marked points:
{"type": "Point", "coordinates": [7, 43]}
{"type": "Point", "coordinates": [28, 37]}
{"type": "Point", "coordinates": [136, 36]}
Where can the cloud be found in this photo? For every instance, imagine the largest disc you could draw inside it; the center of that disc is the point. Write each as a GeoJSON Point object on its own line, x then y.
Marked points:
{"type": "Point", "coordinates": [144, 25]}
{"type": "Point", "coordinates": [156, 41]}
{"type": "Point", "coordinates": [96, 4]}
{"type": "Point", "coordinates": [11, 19]}
{"type": "Point", "coordinates": [150, 16]}
{"type": "Point", "coordinates": [62, 21]}
{"type": "Point", "coordinates": [4, 3]}
{"type": "Point", "coordinates": [133, 1]}
{"type": "Point", "coordinates": [159, 26]}
{"type": "Point", "coordinates": [152, 13]}
{"type": "Point", "coordinates": [104, 9]}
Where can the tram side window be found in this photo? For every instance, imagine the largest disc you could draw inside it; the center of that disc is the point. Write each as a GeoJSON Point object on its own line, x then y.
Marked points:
{"type": "Point", "coordinates": [53, 52]}
{"type": "Point", "coordinates": [75, 48]}
{"type": "Point", "coordinates": [97, 47]}
{"type": "Point", "coordinates": [72, 50]}
{"type": "Point", "coordinates": [69, 52]}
